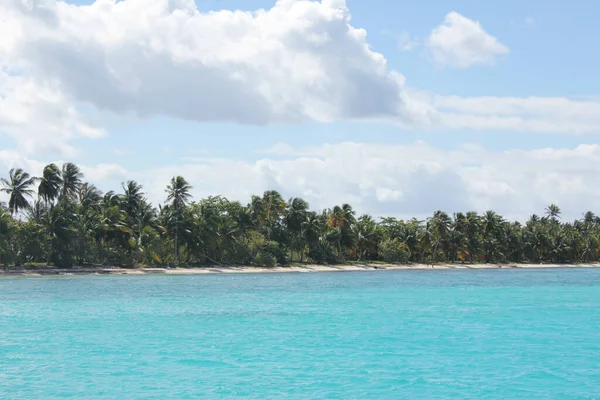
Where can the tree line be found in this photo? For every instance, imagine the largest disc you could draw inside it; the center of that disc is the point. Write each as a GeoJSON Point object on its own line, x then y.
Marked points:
{"type": "Point", "coordinates": [60, 219]}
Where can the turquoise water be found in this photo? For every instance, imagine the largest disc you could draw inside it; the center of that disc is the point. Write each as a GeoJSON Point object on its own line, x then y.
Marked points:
{"type": "Point", "coordinates": [354, 335]}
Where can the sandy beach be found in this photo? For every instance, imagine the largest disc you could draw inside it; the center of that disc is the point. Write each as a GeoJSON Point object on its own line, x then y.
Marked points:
{"type": "Point", "coordinates": [253, 270]}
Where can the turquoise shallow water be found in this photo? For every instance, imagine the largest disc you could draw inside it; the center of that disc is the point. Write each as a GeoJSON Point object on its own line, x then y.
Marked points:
{"type": "Point", "coordinates": [382, 334]}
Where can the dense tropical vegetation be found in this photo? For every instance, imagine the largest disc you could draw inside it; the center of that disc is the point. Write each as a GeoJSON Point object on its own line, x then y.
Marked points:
{"type": "Point", "coordinates": [59, 219]}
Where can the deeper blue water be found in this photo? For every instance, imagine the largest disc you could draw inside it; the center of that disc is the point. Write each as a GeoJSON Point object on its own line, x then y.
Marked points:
{"type": "Point", "coordinates": [502, 334]}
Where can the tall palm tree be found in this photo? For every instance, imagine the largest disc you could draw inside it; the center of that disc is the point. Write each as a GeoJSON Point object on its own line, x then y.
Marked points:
{"type": "Point", "coordinates": [72, 178]}
{"type": "Point", "coordinates": [89, 196]}
{"type": "Point", "coordinates": [178, 192]}
{"type": "Point", "coordinates": [365, 237]}
{"type": "Point", "coordinates": [89, 216]}
{"type": "Point", "coordinates": [312, 228]}
{"type": "Point", "coordinates": [37, 212]}
{"type": "Point", "coordinates": [5, 222]}
{"type": "Point", "coordinates": [553, 211]}
{"type": "Point", "coordinates": [267, 211]}
{"type": "Point", "coordinates": [18, 188]}
{"type": "Point", "coordinates": [295, 215]}
{"type": "Point", "coordinates": [473, 231]}
{"type": "Point", "coordinates": [441, 225]}
{"type": "Point", "coordinates": [50, 184]}
{"type": "Point", "coordinates": [178, 195]}
{"type": "Point", "coordinates": [341, 219]}
{"type": "Point", "coordinates": [132, 198]}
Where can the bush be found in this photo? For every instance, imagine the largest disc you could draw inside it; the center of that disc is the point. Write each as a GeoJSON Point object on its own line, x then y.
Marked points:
{"type": "Point", "coordinates": [394, 251]}
{"type": "Point", "coordinates": [264, 259]}
{"type": "Point", "coordinates": [273, 248]}
{"type": "Point", "coordinates": [322, 253]}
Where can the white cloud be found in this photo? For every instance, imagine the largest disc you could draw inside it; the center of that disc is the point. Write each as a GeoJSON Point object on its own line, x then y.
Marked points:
{"type": "Point", "coordinates": [105, 172]}
{"type": "Point", "coordinates": [532, 114]}
{"type": "Point", "coordinates": [384, 180]}
{"type": "Point", "coordinates": [405, 181]}
{"type": "Point", "coordinates": [299, 60]}
{"type": "Point", "coordinates": [39, 118]}
{"type": "Point", "coordinates": [530, 20]}
{"type": "Point", "coordinates": [461, 43]}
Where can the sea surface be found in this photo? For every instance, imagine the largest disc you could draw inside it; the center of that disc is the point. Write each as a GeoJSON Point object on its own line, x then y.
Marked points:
{"type": "Point", "coordinates": [454, 334]}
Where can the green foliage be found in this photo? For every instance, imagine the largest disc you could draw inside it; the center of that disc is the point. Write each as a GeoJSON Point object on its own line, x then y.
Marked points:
{"type": "Point", "coordinates": [264, 259]}
{"type": "Point", "coordinates": [322, 252]}
{"type": "Point", "coordinates": [71, 223]}
{"type": "Point", "coordinates": [6, 255]}
{"type": "Point", "coordinates": [18, 188]}
{"type": "Point", "coordinates": [29, 242]}
{"type": "Point", "coordinates": [394, 251]}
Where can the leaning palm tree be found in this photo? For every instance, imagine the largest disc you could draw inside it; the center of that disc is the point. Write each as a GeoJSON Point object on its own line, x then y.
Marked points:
{"type": "Point", "coordinates": [50, 184]}
{"type": "Point", "coordinates": [71, 181]}
{"type": "Point", "coordinates": [178, 195]}
{"type": "Point", "coordinates": [18, 188]}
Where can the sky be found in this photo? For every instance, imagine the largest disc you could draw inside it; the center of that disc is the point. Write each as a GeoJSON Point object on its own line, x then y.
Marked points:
{"type": "Point", "coordinates": [399, 108]}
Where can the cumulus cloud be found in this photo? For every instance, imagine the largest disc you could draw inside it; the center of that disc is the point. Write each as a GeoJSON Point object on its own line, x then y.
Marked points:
{"type": "Point", "coordinates": [39, 118]}
{"type": "Point", "coordinates": [461, 42]}
{"type": "Point", "coordinates": [299, 60]}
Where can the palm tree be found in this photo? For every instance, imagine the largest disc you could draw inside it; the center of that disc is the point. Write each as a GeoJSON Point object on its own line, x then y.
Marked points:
{"type": "Point", "coordinates": [553, 212]}
{"type": "Point", "coordinates": [5, 224]}
{"type": "Point", "coordinates": [18, 188]}
{"type": "Point", "coordinates": [71, 181]}
{"type": "Point", "coordinates": [267, 211]}
{"type": "Point", "coordinates": [441, 225]}
{"type": "Point", "coordinates": [295, 215]}
{"type": "Point", "coordinates": [89, 196]}
{"type": "Point", "coordinates": [50, 184]}
{"type": "Point", "coordinates": [365, 237]}
{"type": "Point", "coordinates": [37, 212]}
{"type": "Point", "coordinates": [312, 229]}
{"type": "Point", "coordinates": [132, 198]}
{"type": "Point", "coordinates": [493, 236]}
{"type": "Point", "coordinates": [61, 225]}
{"type": "Point", "coordinates": [473, 231]}
{"type": "Point", "coordinates": [341, 219]}
{"type": "Point", "coordinates": [178, 195]}
{"type": "Point", "coordinates": [89, 216]}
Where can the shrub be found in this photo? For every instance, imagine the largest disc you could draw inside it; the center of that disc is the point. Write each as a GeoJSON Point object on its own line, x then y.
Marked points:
{"type": "Point", "coordinates": [394, 251]}
{"type": "Point", "coordinates": [264, 259]}
{"type": "Point", "coordinates": [322, 253]}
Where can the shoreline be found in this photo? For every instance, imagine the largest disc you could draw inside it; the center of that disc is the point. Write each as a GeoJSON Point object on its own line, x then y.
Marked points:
{"type": "Point", "coordinates": [258, 270]}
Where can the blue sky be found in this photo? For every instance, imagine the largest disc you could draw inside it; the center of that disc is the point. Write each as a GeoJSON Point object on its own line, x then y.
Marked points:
{"type": "Point", "coordinates": [551, 45]}
{"type": "Point", "coordinates": [549, 56]}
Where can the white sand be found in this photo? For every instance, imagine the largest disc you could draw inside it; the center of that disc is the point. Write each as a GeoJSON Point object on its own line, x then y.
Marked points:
{"type": "Point", "coordinates": [251, 269]}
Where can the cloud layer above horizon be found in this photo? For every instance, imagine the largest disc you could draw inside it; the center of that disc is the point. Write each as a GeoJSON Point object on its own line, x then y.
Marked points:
{"type": "Point", "coordinates": [403, 181]}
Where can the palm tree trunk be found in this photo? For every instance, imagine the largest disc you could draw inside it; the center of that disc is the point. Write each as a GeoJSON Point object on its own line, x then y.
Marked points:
{"type": "Point", "coordinates": [176, 250]}
{"type": "Point", "coordinates": [176, 241]}
{"type": "Point", "coordinates": [435, 251]}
